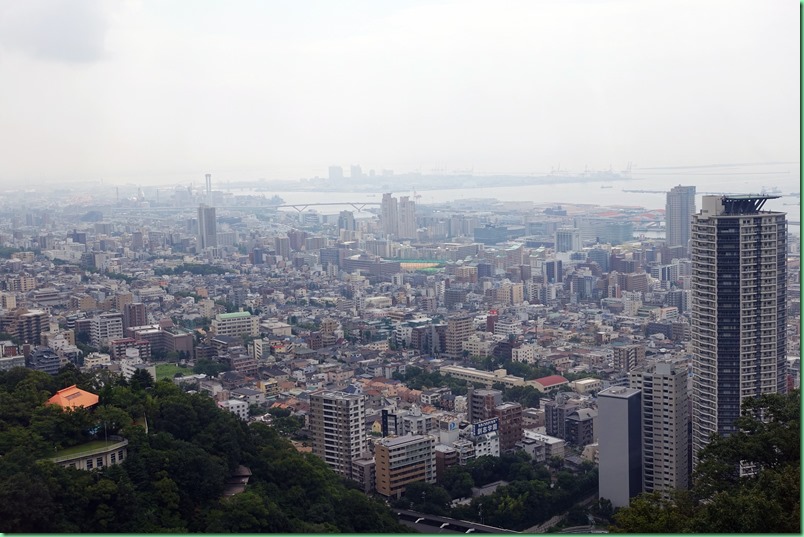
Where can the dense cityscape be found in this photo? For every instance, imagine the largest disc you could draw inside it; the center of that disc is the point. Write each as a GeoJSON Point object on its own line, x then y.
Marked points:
{"type": "Point", "coordinates": [405, 344]}
{"type": "Point", "coordinates": [410, 266]}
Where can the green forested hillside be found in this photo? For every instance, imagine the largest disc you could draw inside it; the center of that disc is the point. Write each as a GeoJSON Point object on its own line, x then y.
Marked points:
{"type": "Point", "coordinates": [173, 478]}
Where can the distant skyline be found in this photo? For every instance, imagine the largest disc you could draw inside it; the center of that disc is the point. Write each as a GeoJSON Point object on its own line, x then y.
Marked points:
{"type": "Point", "coordinates": [165, 91]}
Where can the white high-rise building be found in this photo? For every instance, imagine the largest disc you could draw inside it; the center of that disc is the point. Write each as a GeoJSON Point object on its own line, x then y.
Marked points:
{"type": "Point", "coordinates": [739, 285]}
{"type": "Point", "coordinates": [337, 422]}
{"type": "Point", "coordinates": [665, 424]}
{"type": "Point", "coordinates": [679, 209]}
{"type": "Point", "coordinates": [106, 327]}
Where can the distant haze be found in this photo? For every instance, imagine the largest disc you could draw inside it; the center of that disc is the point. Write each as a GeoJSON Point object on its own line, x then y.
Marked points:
{"type": "Point", "coordinates": [165, 91]}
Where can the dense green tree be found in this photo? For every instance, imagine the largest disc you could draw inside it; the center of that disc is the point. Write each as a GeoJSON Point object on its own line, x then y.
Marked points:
{"type": "Point", "coordinates": [142, 378]}
{"type": "Point", "coordinates": [426, 498]}
{"type": "Point", "coordinates": [174, 475]}
{"type": "Point", "coordinates": [458, 482]}
{"type": "Point", "coordinates": [527, 396]}
{"type": "Point", "coordinates": [209, 368]}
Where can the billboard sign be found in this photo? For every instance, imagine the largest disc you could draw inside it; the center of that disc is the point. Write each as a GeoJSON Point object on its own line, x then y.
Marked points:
{"type": "Point", "coordinates": [486, 426]}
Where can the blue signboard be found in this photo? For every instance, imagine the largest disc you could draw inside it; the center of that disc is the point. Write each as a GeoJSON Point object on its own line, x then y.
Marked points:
{"type": "Point", "coordinates": [486, 426]}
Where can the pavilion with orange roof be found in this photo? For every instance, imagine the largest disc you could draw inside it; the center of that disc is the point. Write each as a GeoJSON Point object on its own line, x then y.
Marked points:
{"type": "Point", "coordinates": [72, 397]}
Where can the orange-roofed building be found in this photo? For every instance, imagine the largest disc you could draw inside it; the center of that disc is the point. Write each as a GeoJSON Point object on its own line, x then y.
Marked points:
{"type": "Point", "coordinates": [548, 383]}
{"type": "Point", "coordinates": [72, 397]}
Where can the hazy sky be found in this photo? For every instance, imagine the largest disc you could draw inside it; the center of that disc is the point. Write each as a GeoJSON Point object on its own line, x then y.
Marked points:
{"type": "Point", "coordinates": [146, 91]}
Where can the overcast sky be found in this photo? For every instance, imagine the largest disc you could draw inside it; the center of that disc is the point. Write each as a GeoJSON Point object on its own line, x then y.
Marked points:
{"type": "Point", "coordinates": [167, 90]}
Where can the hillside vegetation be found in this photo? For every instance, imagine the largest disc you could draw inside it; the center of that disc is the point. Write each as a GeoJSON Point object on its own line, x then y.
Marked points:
{"type": "Point", "coordinates": [173, 478]}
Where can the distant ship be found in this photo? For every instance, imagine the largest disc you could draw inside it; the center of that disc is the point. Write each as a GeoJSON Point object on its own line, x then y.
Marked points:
{"type": "Point", "coordinates": [771, 190]}
{"type": "Point", "coordinates": [605, 186]}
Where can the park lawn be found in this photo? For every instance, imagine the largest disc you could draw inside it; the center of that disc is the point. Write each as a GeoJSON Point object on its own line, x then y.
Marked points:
{"type": "Point", "coordinates": [168, 371]}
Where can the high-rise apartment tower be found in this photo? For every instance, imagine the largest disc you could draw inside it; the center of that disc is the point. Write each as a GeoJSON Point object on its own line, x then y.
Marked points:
{"type": "Point", "coordinates": [389, 215]}
{"type": "Point", "coordinates": [738, 310]}
{"type": "Point", "coordinates": [337, 422]}
{"type": "Point", "coordinates": [665, 424]}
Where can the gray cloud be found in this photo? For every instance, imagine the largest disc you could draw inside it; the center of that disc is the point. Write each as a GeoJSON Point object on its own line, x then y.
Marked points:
{"type": "Point", "coordinates": [71, 31]}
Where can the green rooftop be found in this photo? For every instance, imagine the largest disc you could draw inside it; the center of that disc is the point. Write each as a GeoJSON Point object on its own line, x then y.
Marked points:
{"type": "Point", "coordinates": [87, 448]}
{"type": "Point", "coordinates": [235, 315]}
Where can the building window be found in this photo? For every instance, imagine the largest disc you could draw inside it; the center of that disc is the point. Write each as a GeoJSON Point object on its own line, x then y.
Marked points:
{"type": "Point", "coordinates": [113, 458]}
{"type": "Point", "coordinates": [99, 460]}
{"type": "Point", "coordinates": [89, 464]}
{"type": "Point", "coordinates": [120, 454]}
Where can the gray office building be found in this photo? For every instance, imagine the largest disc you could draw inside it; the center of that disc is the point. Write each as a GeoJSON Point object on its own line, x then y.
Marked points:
{"type": "Point", "coordinates": [679, 209]}
{"type": "Point", "coordinates": [207, 228]}
{"type": "Point", "coordinates": [620, 444]}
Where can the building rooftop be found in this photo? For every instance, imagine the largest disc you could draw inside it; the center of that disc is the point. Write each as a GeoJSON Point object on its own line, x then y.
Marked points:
{"type": "Point", "coordinates": [551, 380]}
{"type": "Point", "coordinates": [235, 315]}
{"type": "Point", "coordinates": [72, 397]}
{"type": "Point", "coordinates": [400, 440]}
{"type": "Point", "coordinates": [620, 392]}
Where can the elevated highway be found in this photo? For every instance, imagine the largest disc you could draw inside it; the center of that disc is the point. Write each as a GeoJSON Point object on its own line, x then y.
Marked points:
{"type": "Point", "coordinates": [425, 523]}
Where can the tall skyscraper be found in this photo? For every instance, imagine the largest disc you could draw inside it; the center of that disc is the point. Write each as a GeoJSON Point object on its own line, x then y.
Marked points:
{"type": "Point", "coordinates": [620, 443]}
{"type": "Point", "coordinates": [337, 422]}
{"type": "Point", "coordinates": [207, 228]}
{"type": "Point", "coordinates": [678, 214]}
{"type": "Point", "coordinates": [739, 283]}
{"type": "Point", "coordinates": [407, 218]}
{"type": "Point", "coordinates": [665, 424]}
{"type": "Point", "coordinates": [389, 215]}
